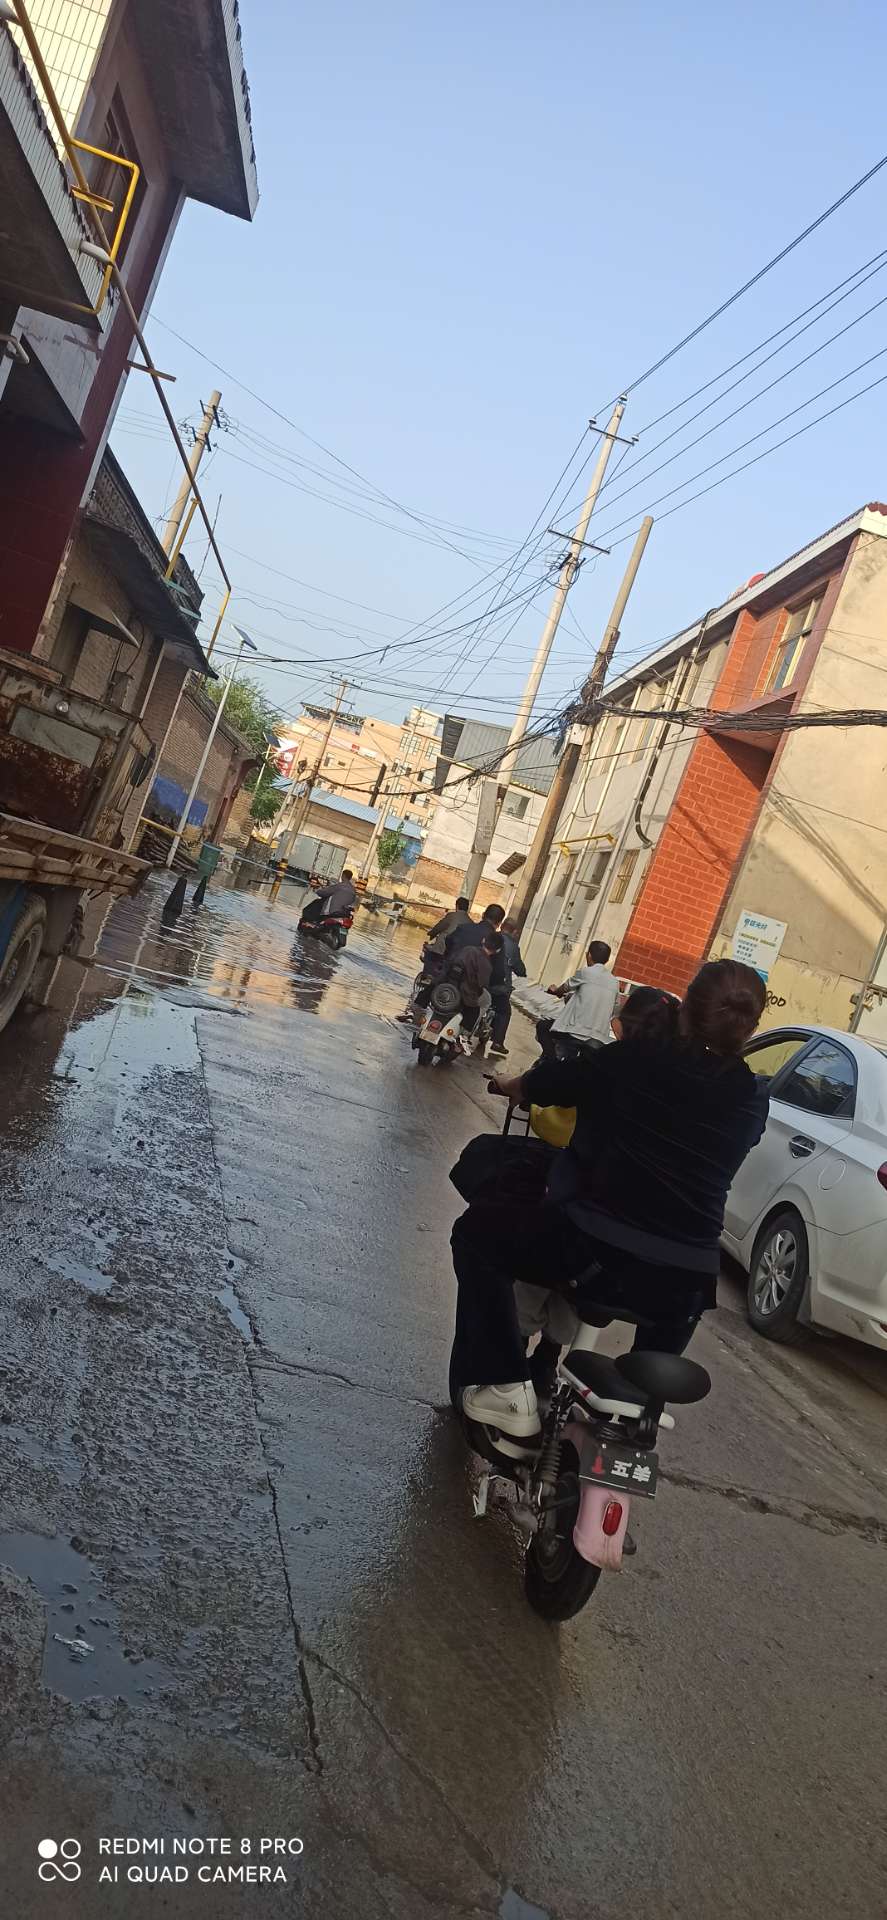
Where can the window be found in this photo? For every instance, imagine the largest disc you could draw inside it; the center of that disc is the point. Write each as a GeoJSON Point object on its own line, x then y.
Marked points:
{"type": "Point", "coordinates": [624, 872]}
{"type": "Point", "coordinates": [516, 805]}
{"type": "Point", "coordinates": [790, 646]}
{"type": "Point", "coordinates": [642, 881]}
{"type": "Point", "coordinates": [69, 642]}
{"type": "Point", "coordinates": [773, 1055]}
{"type": "Point", "coordinates": [824, 1082]}
{"type": "Point", "coordinates": [111, 182]}
{"type": "Point", "coordinates": [567, 870]}
{"type": "Point", "coordinates": [595, 872]}
{"type": "Point", "coordinates": [649, 696]}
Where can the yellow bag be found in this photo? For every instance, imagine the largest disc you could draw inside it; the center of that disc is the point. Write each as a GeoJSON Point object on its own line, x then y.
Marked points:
{"type": "Point", "coordinates": [554, 1125]}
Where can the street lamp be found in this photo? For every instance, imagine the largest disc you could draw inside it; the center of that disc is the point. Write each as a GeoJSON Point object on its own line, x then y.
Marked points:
{"type": "Point", "coordinates": [245, 641]}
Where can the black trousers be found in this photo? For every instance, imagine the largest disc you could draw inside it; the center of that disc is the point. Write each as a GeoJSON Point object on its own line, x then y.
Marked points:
{"type": "Point", "coordinates": [497, 1242]}
{"type": "Point", "coordinates": [564, 1043]}
{"type": "Point", "coordinates": [501, 1017]}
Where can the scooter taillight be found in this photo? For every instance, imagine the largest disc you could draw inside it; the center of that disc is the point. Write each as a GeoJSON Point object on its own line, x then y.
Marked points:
{"type": "Point", "coordinates": [612, 1519]}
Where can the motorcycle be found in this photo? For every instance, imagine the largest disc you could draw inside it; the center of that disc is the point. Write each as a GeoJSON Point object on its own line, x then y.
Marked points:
{"type": "Point", "coordinates": [599, 1447]}
{"type": "Point", "coordinates": [332, 928]}
{"type": "Point", "coordinates": [440, 1033]}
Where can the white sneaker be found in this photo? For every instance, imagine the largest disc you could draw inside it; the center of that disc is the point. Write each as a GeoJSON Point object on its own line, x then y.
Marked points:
{"type": "Point", "coordinates": [512, 1408]}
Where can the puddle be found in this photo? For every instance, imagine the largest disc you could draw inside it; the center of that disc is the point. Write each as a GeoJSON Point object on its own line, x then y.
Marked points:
{"type": "Point", "coordinates": [230, 1304]}
{"type": "Point", "coordinates": [91, 1278]}
{"type": "Point", "coordinates": [78, 1611]}
{"type": "Point", "coordinates": [513, 1907]}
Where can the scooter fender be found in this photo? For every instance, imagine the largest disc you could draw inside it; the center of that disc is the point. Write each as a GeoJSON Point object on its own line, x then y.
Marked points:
{"type": "Point", "coordinates": [589, 1539]}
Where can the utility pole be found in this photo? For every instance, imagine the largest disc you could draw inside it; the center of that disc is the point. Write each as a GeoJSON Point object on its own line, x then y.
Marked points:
{"type": "Point", "coordinates": [201, 439]}
{"type": "Point", "coordinates": [569, 760]}
{"type": "Point", "coordinates": [404, 777]}
{"type": "Point", "coordinates": [569, 569]}
{"type": "Point", "coordinates": [301, 813]}
{"type": "Point", "coordinates": [245, 641]}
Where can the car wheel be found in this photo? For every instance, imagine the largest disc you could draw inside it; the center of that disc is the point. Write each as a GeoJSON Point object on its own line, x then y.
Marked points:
{"type": "Point", "coordinates": [777, 1281]}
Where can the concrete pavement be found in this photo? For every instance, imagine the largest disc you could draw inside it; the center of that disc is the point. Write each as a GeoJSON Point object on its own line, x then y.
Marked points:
{"type": "Point", "coordinates": [226, 1305]}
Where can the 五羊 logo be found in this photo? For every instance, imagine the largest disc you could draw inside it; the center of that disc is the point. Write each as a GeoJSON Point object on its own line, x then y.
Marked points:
{"type": "Point", "coordinates": [59, 1860]}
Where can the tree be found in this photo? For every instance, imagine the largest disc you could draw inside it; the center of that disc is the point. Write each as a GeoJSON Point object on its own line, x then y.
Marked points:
{"type": "Point", "coordinates": [389, 847]}
{"type": "Point", "coordinates": [251, 712]}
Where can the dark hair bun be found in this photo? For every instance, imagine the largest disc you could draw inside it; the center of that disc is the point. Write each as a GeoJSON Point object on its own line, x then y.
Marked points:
{"type": "Point", "coordinates": [723, 1005]}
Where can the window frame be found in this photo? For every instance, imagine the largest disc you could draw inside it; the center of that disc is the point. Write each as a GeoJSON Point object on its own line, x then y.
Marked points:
{"type": "Point", "coordinates": [788, 648]}
{"type": "Point", "coordinates": [623, 876]}
{"type": "Point", "coordinates": [812, 1039]}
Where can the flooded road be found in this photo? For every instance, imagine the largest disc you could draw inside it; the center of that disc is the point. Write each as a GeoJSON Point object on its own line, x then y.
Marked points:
{"type": "Point", "coordinates": [242, 1591]}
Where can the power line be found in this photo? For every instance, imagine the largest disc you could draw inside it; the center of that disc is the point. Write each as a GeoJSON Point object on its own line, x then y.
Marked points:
{"type": "Point", "coordinates": [759, 436]}
{"type": "Point", "coordinates": [802, 315]}
{"type": "Point", "coordinates": [747, 285]}
{"type": "Point", "coordinates": [752, 398]}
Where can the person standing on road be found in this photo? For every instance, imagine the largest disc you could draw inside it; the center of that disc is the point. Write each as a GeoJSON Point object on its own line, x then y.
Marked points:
{"type": "Point", "coordinates": [634, 1209]}
{"type": "Point", "coordinates": [591, 996]}
{"type": "Point", "coordinates": [513, 964]}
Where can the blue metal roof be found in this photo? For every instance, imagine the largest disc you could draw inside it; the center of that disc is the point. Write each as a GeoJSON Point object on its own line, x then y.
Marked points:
{"type": "Point", "coordinates": [355, 810]}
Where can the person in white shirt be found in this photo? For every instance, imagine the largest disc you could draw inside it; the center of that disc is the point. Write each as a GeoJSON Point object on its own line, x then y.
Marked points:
{"type": "Point", "coordinates": [591, 996]}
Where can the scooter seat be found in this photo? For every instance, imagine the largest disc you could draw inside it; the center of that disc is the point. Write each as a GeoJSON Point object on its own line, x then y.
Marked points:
{"type": "Point", "coordinates": [665, 1376]}
{"type": "Point", "coordinates": [601, 1377]}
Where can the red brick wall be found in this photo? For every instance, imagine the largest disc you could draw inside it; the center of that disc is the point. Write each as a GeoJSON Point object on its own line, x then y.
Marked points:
{"type": "Point", "coordinates": [672, 925]}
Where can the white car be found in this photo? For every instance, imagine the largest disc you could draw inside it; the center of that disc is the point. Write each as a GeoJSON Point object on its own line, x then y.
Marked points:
{"type": "Point", "coordinates": [807, 1213]}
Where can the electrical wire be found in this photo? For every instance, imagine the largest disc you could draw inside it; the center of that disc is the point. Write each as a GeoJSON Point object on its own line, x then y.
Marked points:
{"type": "Point", "coordinates": [759, 436]}
{"type": "Point", "coordinates": [754, 279]}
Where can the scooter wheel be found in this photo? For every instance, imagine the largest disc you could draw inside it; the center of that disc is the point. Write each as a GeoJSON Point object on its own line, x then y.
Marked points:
{"type": "Point", "coordinates": [557, 1581]}
{"type": "Point", "coordinates": [424, 1053]}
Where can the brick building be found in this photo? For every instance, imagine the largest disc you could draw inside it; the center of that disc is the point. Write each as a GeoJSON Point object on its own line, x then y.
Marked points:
{"type": "Point", "coordinates": [117, 630]}
{"type": "Point", "coordinates": [670, 834]}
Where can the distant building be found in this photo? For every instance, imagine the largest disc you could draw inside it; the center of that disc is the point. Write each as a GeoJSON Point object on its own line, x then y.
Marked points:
{"type": "Point", "coordinates": [466, 747]}
{"type": "Point", "coordinates": [365, 757]}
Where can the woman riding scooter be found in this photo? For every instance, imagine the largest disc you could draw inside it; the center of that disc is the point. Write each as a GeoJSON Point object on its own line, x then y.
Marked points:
{"type": "Point", "coordinates": [630, 1223]}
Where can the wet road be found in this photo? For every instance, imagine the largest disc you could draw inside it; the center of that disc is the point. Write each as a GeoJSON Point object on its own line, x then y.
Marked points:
{"type": "Point", "coordinates": [242, 1592]}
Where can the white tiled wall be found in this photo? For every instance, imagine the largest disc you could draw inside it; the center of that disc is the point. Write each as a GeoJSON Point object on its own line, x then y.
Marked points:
{"type": "Point", "coordinates": [70, 34]}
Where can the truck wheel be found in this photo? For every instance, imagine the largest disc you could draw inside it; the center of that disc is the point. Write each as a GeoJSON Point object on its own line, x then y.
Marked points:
{"type": "Point", "coordinates": [19, 962]}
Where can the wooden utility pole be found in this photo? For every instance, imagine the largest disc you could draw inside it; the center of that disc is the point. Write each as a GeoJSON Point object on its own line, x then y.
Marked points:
{"type": "Point", "coordinates": [537, 858]}
{"type": "Point", "coordinates": [301, 811]}
{"type": "Point", "coordinates": [201, 441]}
{"type": "Point", "coordinates": [569, 569]}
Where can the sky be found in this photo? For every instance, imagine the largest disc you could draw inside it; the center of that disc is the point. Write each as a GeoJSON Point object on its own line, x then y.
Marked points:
{"type": "Point", "coordinates": [477, 225]}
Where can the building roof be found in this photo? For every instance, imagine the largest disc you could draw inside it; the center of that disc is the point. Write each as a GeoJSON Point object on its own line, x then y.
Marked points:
{"type": "Point", "coordinates": [477, 743]}
{"type": "Point", "coordinates": [355, 810]}
{"type": "Point", "coordinates": [117, 527]}
{"type": "Point", "coordinates": [869, 519]}
{"type": "Point", "coordinates": [194, 64]}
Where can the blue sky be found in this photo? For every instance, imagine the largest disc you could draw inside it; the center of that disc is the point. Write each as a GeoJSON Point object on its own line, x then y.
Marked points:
{"type": "Point", "coordinates": [477, 223]}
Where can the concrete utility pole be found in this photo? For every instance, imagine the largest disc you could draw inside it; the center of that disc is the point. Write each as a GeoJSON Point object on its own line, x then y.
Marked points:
{"type": "Point", "coordinates": [245, 641]}
{"type": "Point", "coordinates": [567, 575]}
{"type": "Point", "coordinates": [404, 778]}
{"type": "Point", "coordinates": [301, 811]}
{"type": "Point", "coordinates": [569, 760]}
{"type": "Point", "coordinates": [201, 438]}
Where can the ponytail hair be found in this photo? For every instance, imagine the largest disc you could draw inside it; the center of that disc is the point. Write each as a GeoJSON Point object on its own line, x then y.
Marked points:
{"type": "Point", "coordinates": [722, 1006]}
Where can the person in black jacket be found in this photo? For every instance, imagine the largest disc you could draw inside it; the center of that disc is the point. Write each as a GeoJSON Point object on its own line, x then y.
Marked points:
{"type": "Point", "coordinates": [631, 1220]}
{"type": "Point", "coordinates": [502, 991]}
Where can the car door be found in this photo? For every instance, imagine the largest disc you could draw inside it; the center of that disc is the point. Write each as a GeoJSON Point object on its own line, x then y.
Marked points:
{"type": "Point", "coordinates": [812, 1096]}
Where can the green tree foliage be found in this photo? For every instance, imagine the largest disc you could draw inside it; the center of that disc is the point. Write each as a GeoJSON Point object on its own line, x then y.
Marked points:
{"type": "Point", "coordinates": [389, 847]}
{"type": "Point", "coordinates": [251, 712]}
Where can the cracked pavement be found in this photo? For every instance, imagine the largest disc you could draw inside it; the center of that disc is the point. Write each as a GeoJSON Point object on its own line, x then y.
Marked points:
{"type": "Point", "coordinates": [226, 1302]}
